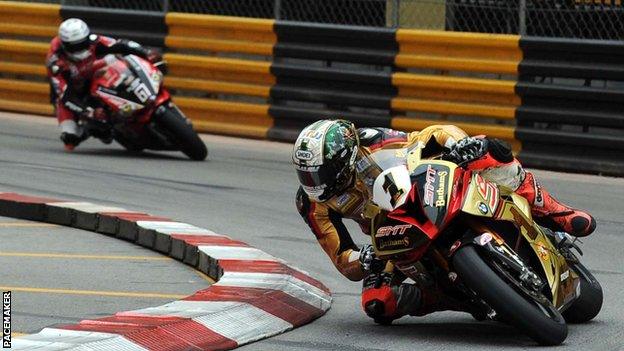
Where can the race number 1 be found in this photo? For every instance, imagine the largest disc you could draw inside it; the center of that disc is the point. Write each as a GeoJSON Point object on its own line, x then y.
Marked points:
{"type": "Point", "coordinates": [6, 320]}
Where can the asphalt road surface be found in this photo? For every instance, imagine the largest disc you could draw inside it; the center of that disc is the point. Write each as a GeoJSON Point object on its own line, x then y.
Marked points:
{"type": "Point", "coordinates": [62, 275]}
{"type": "Point", "coordinates": [246, 190]}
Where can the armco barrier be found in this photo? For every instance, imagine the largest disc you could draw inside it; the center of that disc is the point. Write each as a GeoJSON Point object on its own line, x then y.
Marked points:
{"type": "Point", "coordinates": [311, 89]}
{"type": "Point", "coordinates": [481, 101]}
{"type": "Point", "coordinates": [572, 112]}
{"type": "Point", "coordinates": [256, 295]}
{"type": "Point", "coordinates": [25, 32]}
{"type": "Point", "coordinates": [204, 79]}
{"type": "Point", "coordinates": [266, 79]}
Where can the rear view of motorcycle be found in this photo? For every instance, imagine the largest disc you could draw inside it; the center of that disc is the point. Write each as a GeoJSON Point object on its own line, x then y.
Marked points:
{"type": "Point", "coordinates": [479, 243]}
{"type": "Point", "coordinates": [137, 110]}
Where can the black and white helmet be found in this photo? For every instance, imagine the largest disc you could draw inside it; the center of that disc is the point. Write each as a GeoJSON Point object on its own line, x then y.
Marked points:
{"type": "Point", "coordinates": [74, 35]}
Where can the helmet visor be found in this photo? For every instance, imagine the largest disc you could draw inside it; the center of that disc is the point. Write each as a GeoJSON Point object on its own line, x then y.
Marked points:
{"type": "Point", "coordinates": [316, 176]}
{"type": "Point", "coordinates": [319, 182]}
{"type": "Point", "coordinates": [72, 48]}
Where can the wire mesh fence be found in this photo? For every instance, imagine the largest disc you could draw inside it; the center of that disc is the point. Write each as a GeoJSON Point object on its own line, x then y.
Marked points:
{"type": "Point", "coordinates": [593, 19]}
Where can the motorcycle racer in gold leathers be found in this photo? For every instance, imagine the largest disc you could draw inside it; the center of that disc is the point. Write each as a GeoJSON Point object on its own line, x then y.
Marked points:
{"type": "Point", "coordinates": [331, 159]}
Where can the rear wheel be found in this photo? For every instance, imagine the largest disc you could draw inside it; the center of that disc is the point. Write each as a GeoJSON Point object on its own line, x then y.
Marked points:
{"type": "Point", "coordinates": [588, 305]}
{"type": "Point", "coordinates": [181, 130]}
{"type": "Point", "coordinates": [532, 314]}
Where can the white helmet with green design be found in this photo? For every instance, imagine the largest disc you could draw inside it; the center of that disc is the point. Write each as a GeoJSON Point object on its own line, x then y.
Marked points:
{"type": "Point", "coordinates": [324, 156]}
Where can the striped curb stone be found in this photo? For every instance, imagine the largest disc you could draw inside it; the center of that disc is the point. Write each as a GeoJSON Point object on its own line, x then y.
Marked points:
{"type": "Point", "coordinates": [255, 295]}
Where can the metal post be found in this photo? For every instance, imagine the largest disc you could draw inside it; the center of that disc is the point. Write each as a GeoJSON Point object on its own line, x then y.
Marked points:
{"type": "Point", "coordinates": [277, 7]}
{"type": "Point", "coordinates": [165, 6]}
{"type": "Point", "coordinates": [522, 17]}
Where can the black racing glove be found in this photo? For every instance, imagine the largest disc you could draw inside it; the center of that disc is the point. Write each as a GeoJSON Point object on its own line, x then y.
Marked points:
{"type": "Point", "coordinates": [466, 150]}
{"type": "Point", "coordinates": [369, 261]}
{"type": "Point", "coordinates": [157, 60]}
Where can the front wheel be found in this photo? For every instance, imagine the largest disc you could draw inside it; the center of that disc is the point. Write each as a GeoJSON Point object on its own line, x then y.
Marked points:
{"type": "Point", "coordinates": [588, 304]}
{"type": "Point", "coordinates": [180, 129]}
{"type": "Point", "coordinates": [538, 318]}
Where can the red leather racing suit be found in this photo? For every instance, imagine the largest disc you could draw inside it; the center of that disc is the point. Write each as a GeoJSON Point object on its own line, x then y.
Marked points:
{"type": "Point", "coordinates": [69, 80]}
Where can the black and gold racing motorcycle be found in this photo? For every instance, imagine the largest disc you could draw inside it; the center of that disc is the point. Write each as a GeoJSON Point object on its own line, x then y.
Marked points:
{"type": "Point", "coordinates": [478, 243]}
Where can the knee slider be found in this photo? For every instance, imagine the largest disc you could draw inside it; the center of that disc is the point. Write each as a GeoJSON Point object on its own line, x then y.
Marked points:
{"type": "Point", "coordinates": [500, 150]}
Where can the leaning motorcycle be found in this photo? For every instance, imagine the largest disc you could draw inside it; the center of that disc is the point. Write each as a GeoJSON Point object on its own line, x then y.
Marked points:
{"type": "Point", "coordinates": [479, 244]}
{"type": "Point", "coordinates": [138, 110]}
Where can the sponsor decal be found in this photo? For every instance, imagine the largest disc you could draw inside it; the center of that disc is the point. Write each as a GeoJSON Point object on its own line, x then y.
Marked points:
{"type": "Point", "coordinates": [343, 199]}
{"type": "Point", "coordinates": [392, 230]}
{"type": "Point", "coordinates": [6, 320]}
{"type": "Point", "coordinates": [488, 191]}
{"type": "Point", "coordinates": [430, 179]}
{"type": "Point", "coordinates": [307, 168]}
{"type": "Point", "coordinates": [483, 208]}
{"type": "Point", "coordinates": [542, 252]}
{"type": "Point", "coordinates": [539, 199]}
{"type": "Point", "coordinates": [304, 155]}
{"type": "Point", "coordinates": [440, 198]}
{"type": "Point", "coordinates": [362, 164]}
{"type": "Point", "coordinates": [524, 223]}
{"type": "Point", "coordinates": [564, 275]}
{"type": "Point", "coordinates": [389, 243]}
{"type": "Point", "coordinates": [435, 197]}
{"type": "Point", "coordinates": [313, 134]}
{"type": "Point", "coordinates": [485, 238]}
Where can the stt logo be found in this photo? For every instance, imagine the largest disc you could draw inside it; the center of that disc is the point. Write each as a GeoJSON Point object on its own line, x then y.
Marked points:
{"type": "Point", "coordinates": [392, 230]}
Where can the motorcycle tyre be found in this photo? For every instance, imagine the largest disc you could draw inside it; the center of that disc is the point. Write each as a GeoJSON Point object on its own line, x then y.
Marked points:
{"type": "Point", "coordinates": [508, 303]}
{"type": "Point", "coordinates": [128, 145]}
{"type": "Point", "coordinates": [183, 133]}
{"type": "Point", "coordinates": [588, 305]}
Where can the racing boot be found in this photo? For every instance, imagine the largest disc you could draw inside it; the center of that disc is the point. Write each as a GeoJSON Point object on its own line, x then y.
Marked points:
{"type": "Point", "coordinates": [385, 302]}
{"type": "Point", "coordinates": [549, 212]}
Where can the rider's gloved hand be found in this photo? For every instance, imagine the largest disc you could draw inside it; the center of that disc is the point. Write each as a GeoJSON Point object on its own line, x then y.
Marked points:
{"type": "Point", "coordinates": [369, 261]}
{"type": "Point", "coordinates": [156, 58]}
{"type": "Point", "coordinates": [466, 150]}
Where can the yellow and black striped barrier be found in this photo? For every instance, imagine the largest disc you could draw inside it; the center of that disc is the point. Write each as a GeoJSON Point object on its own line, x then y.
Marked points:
{"type": "Point", "coordinates": [262, 78]}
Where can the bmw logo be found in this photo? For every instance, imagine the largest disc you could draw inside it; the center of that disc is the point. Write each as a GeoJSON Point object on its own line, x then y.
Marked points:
{"type": "Point", "coordinates": [483, 208]}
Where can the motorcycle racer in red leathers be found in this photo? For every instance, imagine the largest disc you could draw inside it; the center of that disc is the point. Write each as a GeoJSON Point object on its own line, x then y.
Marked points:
{"type": "Point", "coordinates": [335, 173]}
{"type": "Point", "coordinates": [69, 64]}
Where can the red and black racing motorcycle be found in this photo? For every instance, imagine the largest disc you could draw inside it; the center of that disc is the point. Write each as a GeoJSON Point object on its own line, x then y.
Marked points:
{"type": "Point", "coordinates": [478, 242]}
{"type": "Point", "coordinates": [139, 113]}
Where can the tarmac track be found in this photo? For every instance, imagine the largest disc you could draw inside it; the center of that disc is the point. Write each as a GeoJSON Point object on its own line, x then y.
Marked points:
{"type": "Point", "coordinates": [246, 190]}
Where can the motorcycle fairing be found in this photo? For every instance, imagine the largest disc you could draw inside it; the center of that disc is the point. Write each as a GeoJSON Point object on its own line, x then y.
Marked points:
{"type": "Point", "coordinates": [512, 207]}
{"type": "Point", "coordinates": [434, 180]}
{"type": "Point", "coordinates": [423, 214]}
{"type": "Point", "coordinates": [123, 85]}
